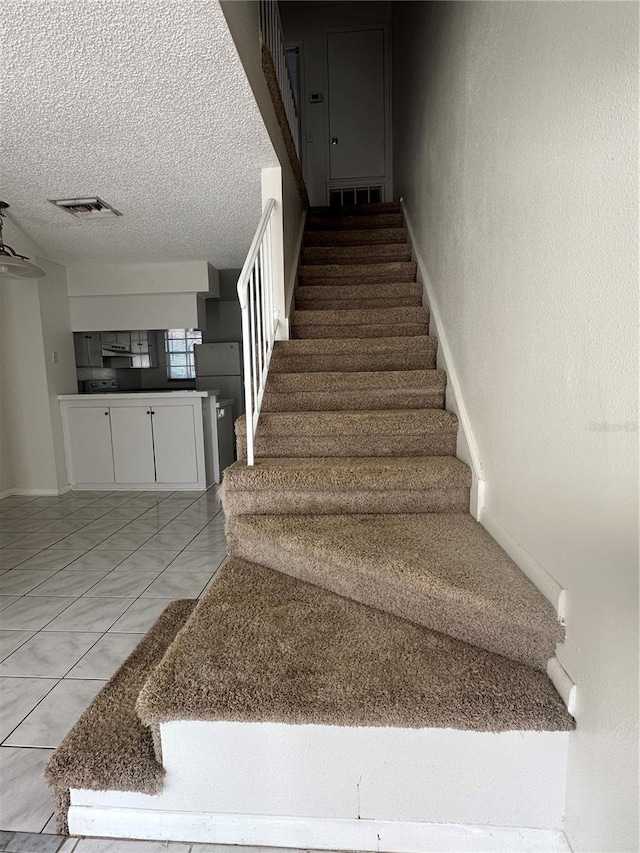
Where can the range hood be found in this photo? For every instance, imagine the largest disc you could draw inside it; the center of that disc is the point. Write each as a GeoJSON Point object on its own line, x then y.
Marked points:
{"type": "Point", "coordinates": [119, 350]}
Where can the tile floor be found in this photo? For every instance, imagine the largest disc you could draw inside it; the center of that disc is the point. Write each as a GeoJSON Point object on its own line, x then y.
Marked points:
{"type": "Point", "coordinates": [82, 578]}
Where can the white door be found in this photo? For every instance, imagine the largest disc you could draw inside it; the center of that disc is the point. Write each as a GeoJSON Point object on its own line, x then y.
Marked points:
{"type": "Point", "coordinates": [89, 445]}
{"type": "Point", "coordinates": [132, 444]}
{"type": "Point", "coordinates": [174, 440]}
{"type": "Point", "coordinates": [357, 119]}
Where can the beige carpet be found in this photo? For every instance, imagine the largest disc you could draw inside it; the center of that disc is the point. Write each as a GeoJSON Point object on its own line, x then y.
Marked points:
{"type": "Point", "coordinates": [440, 570]}
{"type": "Point", "coordinates": [262, 646]}
{"type": "Point", "coordinates": [109, 748]}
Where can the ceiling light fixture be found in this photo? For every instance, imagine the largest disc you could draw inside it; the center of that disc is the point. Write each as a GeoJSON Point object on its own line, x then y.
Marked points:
{"type": "Point", "coordinates": [13, 265]}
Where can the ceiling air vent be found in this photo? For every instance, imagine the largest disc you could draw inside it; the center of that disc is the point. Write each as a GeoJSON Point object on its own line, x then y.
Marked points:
{"type": "Point", "coordinates": [87, 208]}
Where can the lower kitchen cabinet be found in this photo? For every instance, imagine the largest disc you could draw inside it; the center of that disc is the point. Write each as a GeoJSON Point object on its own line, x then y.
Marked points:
{"type": "Point", "coordinates": [120, 441]}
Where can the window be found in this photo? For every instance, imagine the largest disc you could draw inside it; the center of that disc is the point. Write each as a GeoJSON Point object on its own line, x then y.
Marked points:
{"type": "Point", "coordinates": [179, 345]}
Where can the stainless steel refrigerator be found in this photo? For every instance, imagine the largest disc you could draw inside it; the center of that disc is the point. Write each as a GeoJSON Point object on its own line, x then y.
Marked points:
{"type": "Point", "coordinates": [219, 366]}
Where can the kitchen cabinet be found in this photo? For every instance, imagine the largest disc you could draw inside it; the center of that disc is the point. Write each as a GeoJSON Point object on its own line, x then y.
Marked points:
{"type": "Point", "coordinates": [92, 349]}
{"type": "Point", "coordinates": [146, 442]}
{"type": "Point", "coordinates": [132, 442]}
{"type": "Point", "coordinates": [88, 431]}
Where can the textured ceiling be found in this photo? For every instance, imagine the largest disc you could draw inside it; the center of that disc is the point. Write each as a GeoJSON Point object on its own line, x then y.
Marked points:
{"type": "Point", "coordinates": [144, 103]}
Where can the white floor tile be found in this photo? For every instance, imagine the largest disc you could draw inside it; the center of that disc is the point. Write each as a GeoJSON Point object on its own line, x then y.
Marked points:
{"type": "Point", "coordinates": [140, 616]}
{"type": "Point", "coordinates": [33, 612]}
{"type": "Point", "coordinates": [103, 659]}
{"type": "Point", "coordinates": [87, 614]}
{"type": "Point", "coordinates": [25, 801]}
{"type": "Point", "coordinates": [178, 585]}
{"type": "Point", "coordinates": [147, 560]}
{"type": "Point", "coordinates": [125, 541]}
{"type": "Point", "coordinates": [51, 559]}
{"type": "Point", "coordinates": [18, 697]}
{"type": "Point", "coordinates": [103, 559]}
{"type": "Point", "coordinates": [16, 582]}
{"type": "Point", "coordinates": [121, 584]}
{"type": "Point", "coordinates": [12, 640]}
{"type": "Point", "coordinates": [197, 561]}
{"type": "Point", "coordinates": [10, 557]}
{"type": "Point", "coordinates": [121, 845]}
{"type": "Point", "coordinates": [67, 583]}
{"type": "Point", "coordinates": [49, 722]}
{"type": "Point", "coordinates": [5, 601]}
{"type": "Point", "coordinates": [48, 655]}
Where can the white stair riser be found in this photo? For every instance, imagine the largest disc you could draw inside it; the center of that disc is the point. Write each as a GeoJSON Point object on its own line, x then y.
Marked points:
{"type": "Point", "coordinates": [333, 772]}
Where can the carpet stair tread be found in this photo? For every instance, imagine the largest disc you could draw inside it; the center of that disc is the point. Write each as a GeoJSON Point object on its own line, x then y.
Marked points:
{"type": "Point", "coordinates": [368, 209]}
{"type": "Point", "coordinates": [375, 253]}
{"type": "Point", "coordinates": [441, 570]}
{"type": "Point", "coordinates": [263, 646]}
{"type": "Point", "coordinates": [355, 237]}
{"type": "Point", "coordinates": [109, 748]}
{"type": "Point", "coordinates": [336, 297]}
{"type": "Point", "coordinates": [381, 272]}
{"type": "Point", "coordinates": [359, 221]}
{"type": "Point", "coordinates": [360, 322]}
{"type": "Point", "coordinates": [348, 485]}
{"type": "Point", "coordinates": [380, 432]}
{"type": "Point", "coordinates": [311, 355]}
{"type": "Point", "coordinates": [333, 391]}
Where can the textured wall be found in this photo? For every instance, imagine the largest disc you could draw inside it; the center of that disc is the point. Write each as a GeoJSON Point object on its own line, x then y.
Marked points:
{"type": "Point", "coordinates": [515, 134]}
{"type": "Point", "coordinates": [243, 21]}
{"type": "Point", "coordinates": [144, 103]}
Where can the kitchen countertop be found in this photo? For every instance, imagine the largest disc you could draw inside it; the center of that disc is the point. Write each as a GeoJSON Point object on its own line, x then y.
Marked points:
{"type": "Point", "coordinates": [127, 395]}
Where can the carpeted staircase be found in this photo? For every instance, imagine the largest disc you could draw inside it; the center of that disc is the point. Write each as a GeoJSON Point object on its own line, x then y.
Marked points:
{"type": "Point", "coordinates": [359, 591]}
{"type": "Point", "coordinates": [356, 487]}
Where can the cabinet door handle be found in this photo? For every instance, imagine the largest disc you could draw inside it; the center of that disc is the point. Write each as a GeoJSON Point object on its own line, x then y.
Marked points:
{"type": "Point", "coordinates": [107, 414]}
{"type": "Point", "coordinates": [148, 411]}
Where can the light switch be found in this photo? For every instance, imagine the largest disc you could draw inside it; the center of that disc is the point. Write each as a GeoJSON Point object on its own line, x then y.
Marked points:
{"type": "Point", "coordinates": [309, 137]}
{"type": "Point", "coordinates": [54, 356]}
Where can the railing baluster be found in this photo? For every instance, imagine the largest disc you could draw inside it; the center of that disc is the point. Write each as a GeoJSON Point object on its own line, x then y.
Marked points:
{"type": "Point", "coordinates": [255, 292]}
{"type": "Point", "coordinates": [272, 35]}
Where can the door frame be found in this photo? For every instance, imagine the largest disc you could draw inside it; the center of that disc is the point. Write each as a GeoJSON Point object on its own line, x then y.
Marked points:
{"type": "Point", "coordinates": [387, 180]}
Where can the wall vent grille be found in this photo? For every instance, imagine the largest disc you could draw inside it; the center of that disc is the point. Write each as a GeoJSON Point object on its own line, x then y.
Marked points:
{"type": "Point", "coordinates": [87, 208]}
{"type": "Point", "coordinates": [341, 196]}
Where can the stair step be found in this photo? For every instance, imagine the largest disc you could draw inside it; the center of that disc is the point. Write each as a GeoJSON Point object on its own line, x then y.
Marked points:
{"type": "Point", "coordinates": [360, 323]}
{"type": "Point", "coordinates": [330, 391]}
{"type": "Point", "coordinates": [347, 485]}
{"type": "Point", "coordinates": [354, 354]}
{"type": "Point", "coordinates": [408, 432]}
{"type": "Point", "coordinates": [262, 647]}
{"type": "Point", "coordinates": [367, 273]}
{"type": "Point", "coordinates": [336, 297]}
{"type": "Point", "coordinates": [370, 209]}
{"type": "Point", "coordinates": [440, 570]}
{"type": "Point", "coordinates": [356, 237]}
{"type": "Point", "coordinates": [356, 254]}
{"type": "Point", "coordinates": [109, 748]}
{"type": "Point", "coordinates": [354, 222]}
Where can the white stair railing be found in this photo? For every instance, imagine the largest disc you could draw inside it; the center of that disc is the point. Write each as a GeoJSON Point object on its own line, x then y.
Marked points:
{"type": "Point", "coordinates": [272, 37]}
{"type": "Point", "coordinates": [259, 320]}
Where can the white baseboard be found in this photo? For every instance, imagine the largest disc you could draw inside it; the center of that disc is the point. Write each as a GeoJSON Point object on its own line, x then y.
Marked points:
{"type": "Point", "coordinates": [563, 683]}
{"type": "Point", "coordinates": [311, 833]}
{"type": "Point", "coordinates": [36, 493]}
{"type": "Point", "coordinates": [454, 391]}
{"type": "Point", "coordinates": [293, 275]}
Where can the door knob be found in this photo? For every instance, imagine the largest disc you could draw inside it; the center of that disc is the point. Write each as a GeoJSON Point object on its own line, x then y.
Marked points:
{"type": "Point", "coordinates": [334, 140]}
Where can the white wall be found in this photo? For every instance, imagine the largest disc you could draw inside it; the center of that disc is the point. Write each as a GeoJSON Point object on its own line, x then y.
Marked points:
{"type": "Point", "coordinates": [125, 279]}
{"type": "Point", "coordinates": [34, 322]}
{"type": "Point", "coordinates": [57, 338]}
{"type": "Point", "coordinates": [515, 145]}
